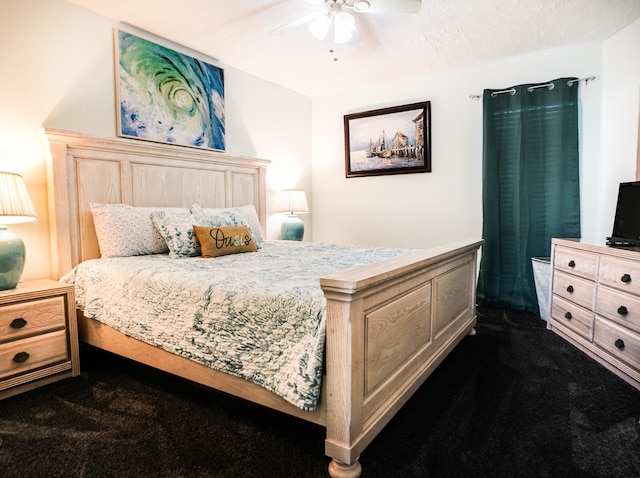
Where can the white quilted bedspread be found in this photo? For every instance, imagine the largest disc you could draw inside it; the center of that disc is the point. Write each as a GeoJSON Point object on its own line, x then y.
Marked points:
{"type": "Point", "coordinates": [259, 316]}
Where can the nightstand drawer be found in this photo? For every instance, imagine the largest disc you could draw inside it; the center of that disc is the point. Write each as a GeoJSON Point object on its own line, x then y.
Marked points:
{"type": "Point", "coordinates": [33, 352]}
{"type": "Point", "coordinates": [31, 317]}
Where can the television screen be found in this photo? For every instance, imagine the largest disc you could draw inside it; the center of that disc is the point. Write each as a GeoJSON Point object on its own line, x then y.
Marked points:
{"type": "Point", "coordinates": [626, 225]}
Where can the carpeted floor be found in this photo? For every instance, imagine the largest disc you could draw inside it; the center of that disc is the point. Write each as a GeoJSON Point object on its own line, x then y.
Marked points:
{"type": "Point", "coordinates": [513, 401]}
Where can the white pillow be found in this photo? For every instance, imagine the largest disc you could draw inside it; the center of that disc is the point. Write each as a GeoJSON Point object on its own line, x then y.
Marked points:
{"type": "Point", "coordinates": [248, 213]}
{"type": "Point", "coordinates": [177, 229]}
{"type": "Point", "coordinates": [124, 230]}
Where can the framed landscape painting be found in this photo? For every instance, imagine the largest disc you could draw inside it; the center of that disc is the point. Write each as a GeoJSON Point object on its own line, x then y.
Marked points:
{"type": "Point", "coordinates": [167, 96]}
{"type": "Point", "coordinates": [394, 140]}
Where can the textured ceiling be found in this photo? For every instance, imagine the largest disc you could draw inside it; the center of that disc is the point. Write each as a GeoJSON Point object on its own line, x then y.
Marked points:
{"type": "Point", "coordinates": [444, 35]}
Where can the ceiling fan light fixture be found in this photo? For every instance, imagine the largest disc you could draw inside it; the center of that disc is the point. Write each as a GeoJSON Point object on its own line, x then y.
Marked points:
{"type": "Point", "coordinates": [320, 27]}
{"type": "Point", "coordinates": [343, 27]}
{"type": "Point", "coordinates": [361, 6]}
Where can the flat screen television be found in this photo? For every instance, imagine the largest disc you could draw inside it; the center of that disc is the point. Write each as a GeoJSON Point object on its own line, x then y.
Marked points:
{"type": "Point", "coordinates": [626, 225]}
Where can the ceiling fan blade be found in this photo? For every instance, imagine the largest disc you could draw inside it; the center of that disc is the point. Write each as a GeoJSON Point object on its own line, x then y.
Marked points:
{"type": "Point", "coordinates": [394, 6]}
{"type": "Point", "coordinates": [308, 18]}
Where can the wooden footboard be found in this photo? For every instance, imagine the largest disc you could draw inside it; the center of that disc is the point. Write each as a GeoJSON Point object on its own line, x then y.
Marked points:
{"type": "Point", "coordinates": [388, 327]}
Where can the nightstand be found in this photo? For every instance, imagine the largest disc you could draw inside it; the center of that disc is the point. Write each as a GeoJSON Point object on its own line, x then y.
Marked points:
{"type": "Point", "coordinates": [38, 336]}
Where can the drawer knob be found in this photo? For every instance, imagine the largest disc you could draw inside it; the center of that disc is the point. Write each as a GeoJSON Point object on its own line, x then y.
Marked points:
{"type": "Point", "coordinates": [625, 278]}
{"type": "Point", "coordinates": [622, 310]}
{"type": "Point", "coordinates": [568, 316]}
{"type": "Point", "coordinates": [570, 289]}
{"type": "Point", "coordinates": [619, 344]}
{"type": "Point", "coordinates": [572, 263]}
{"type": "Point", "coordinates": [20, 357]}
{"type": "Point", "coordinates": [18, 323]}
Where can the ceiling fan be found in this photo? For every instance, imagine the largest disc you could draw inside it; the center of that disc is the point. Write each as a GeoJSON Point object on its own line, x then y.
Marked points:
{"type": "Point", "coordinates": [334, 21]}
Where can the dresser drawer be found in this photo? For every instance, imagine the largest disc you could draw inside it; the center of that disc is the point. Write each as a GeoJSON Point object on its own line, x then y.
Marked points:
{"type": "Point", "coordinates": [572, 288]}
{"type": "Point", "coordinates": [621, 274]}
{"type": "Point", "coordinates": [619, 307]}
{"type": "Point", "coordinates": [618, 341]}
{"type": "Point", "coordinates": [581, 263]}
{"type": "Point", "coordinates": [30, 353]}
{"type": "Point", "coordinates": [573, 317]}
{"type": "Point", "coordinates": [31, 317]}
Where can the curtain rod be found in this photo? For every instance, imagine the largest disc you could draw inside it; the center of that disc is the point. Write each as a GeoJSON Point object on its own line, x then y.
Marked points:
{"type": "Point", "coordinates": [512, 91]}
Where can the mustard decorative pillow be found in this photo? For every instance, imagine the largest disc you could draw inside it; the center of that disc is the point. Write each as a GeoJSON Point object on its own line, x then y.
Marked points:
{"type": "Point", "coordinates": [220, 241]}
{"type": "Point", "coordinates": [248, 213]}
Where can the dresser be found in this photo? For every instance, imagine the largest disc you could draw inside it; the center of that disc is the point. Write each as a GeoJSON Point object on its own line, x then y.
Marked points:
{"type": "Point", "coordinates": [38, 336]}
{"type": "Point", "coordinates": [595, 302]}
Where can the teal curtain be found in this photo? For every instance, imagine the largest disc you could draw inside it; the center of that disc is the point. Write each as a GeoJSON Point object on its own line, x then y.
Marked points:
{"type": "Point", "coordinates": [531, 189]}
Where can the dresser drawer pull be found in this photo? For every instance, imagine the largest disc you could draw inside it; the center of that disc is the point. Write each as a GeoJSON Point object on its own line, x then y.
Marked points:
{"type": "Point", "coordinates": [20, 357]}
{"type": "Point", "coordinates": [625, 278]}
{"type": "Point", "coordinates": [572, 263]}
{"type": "Point", "coordinates": [619, 344]}
{"type": "Point", "coordinates": [570, 289]}
{"type": "Point", "coordinates": [622, 310]}
{"type": "Point", "coordinates": [568, 315]}
{"type": "Point", "coordinates": [18, 323]}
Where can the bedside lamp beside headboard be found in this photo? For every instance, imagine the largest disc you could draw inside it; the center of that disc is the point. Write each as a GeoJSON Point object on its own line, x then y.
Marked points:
{"type": "Point", "coordinates": [292, 202]}
{"type": "Point", "coordinates": [15, 207]}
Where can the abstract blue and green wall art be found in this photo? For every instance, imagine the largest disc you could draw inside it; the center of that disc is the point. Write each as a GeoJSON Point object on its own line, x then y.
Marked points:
{"type": "Point", "coordinates": [167, 96]}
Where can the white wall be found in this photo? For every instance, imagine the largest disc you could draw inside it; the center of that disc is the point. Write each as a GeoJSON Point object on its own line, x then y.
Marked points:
{"type": "Point", "coordinates": [58, 72]}
{"type": "Point", "coordinates": [429, 209]}
{"type": "Point", "coordinates": [619, 125]}
{"type": "Point", "coordinates": [422, 210]}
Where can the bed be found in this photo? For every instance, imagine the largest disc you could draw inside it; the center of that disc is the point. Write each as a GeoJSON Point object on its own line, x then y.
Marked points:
{"type": "Point", "coordinates": [389, 323]}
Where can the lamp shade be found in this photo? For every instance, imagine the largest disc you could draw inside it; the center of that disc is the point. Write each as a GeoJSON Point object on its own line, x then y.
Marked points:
{"type": "Point", "coordinates": [15, 203]}
{"type": "Point", "coordinates": [15, 207]}
{"type": "Point", "coordinates": [292, 201]}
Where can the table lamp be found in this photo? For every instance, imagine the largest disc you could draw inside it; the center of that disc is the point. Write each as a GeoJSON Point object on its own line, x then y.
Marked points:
{"type": "Point", "coordinates": [292, 202]}
{"type": "Point", "coordinates": [15, 207]}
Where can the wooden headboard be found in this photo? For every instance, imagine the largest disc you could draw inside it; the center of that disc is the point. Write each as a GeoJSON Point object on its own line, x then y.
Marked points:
{"type": "Point", "coordinates": [83, 169]}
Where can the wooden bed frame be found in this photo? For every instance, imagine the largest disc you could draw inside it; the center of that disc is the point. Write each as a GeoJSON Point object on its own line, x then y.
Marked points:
{"type": "Point", "coordinates": [389, 325]}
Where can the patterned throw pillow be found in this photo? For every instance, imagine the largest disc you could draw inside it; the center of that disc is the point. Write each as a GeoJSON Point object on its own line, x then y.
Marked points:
{"type": "Point", "coordinates": [221, 241]}
{"type": "Point", "coordinates": [177, 229]}
{"type": "Point", "coordinates": [124, 230]}
{"type": "Point", "coordinates": [248, 213]}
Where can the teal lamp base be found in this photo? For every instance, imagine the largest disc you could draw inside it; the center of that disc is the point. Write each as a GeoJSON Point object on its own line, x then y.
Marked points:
{"type": "Point", "coordinates": [12, 255]}
{"type": "Point", "coordinates": [292, 228]}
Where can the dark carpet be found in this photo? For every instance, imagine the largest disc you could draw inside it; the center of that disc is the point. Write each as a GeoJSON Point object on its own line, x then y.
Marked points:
{"type": "Point", "coordinates": [513, 401]}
